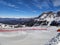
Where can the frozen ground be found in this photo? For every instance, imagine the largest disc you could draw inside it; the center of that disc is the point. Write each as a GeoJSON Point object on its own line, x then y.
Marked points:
{"type": "Point", "coordinates": [27, 37]}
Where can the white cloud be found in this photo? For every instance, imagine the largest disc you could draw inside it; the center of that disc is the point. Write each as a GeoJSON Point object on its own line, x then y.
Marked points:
{"type": "Point", "coordinates": [37, 5]}
{"type": "Point", "coordinates": [20, 3]}
{"type": "Point", "coordinates": [28, 6]}
{"type": "Point", "coordinates": [42, 3]}
{"type": "Point", "coordinates": [35, 1]}
{"type": "Point", "coordinates": [21, 11]}
{"type": "Point", "coordinates": [11, 5]}
{"type": "Point", "coordinates": [8, 4]}
{"type": "Point", "coordinates": [17, 10]}
{"type": "Point", "coordinates": [34, 11]}
{"type": "Point", "coordinates": [56, 3]}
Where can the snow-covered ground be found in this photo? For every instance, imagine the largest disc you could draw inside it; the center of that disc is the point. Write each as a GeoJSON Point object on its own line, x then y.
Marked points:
{"type": "Point", "coordinates": [29, 37]}
{"type": "Point", "coordinates": [55, 40]}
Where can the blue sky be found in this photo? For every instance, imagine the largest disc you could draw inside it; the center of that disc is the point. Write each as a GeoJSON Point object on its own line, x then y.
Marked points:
{"type": "Point", "coordinates": [27, 8]}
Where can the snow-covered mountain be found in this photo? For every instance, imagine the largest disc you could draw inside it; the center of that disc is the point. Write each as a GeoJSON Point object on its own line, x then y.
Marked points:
{"type": "Point", "coordinates": [49, 16]}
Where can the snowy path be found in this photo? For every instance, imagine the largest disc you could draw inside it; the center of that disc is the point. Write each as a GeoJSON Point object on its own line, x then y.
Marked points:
{"type": "Point", "coordinates": [28, 38]}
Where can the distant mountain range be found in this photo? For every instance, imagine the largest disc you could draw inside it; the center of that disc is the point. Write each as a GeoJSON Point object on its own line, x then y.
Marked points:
{"type": "Point", "coordinates": [14, 21]}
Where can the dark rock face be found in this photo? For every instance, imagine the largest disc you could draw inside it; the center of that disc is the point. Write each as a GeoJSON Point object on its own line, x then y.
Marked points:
{"type": "Point", "coordinates": [49, 12]}
{"type": "Point", "coordinates": [58, 13]}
